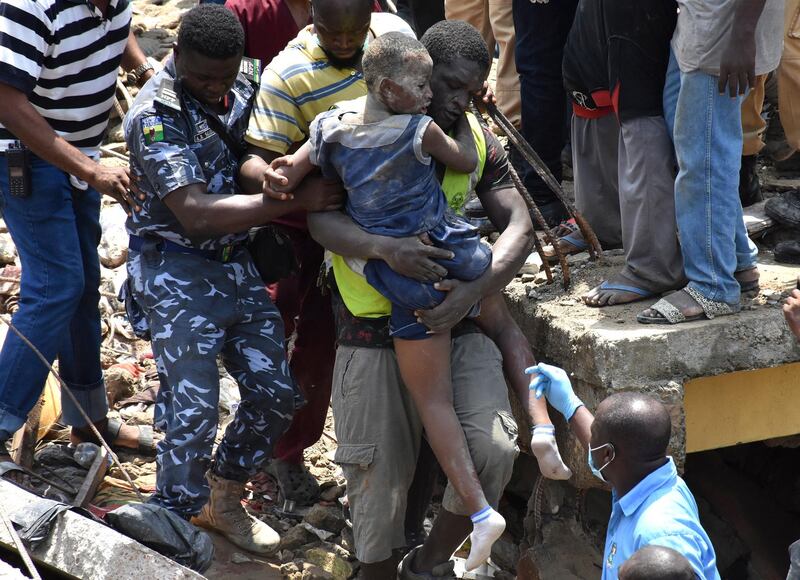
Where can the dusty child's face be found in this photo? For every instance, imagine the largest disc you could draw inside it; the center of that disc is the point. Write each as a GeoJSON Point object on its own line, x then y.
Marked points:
{"type": "Point", "coordinates": [411, 89]}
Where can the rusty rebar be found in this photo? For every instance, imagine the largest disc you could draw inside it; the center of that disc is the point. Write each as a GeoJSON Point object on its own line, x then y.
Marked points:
{"type": "Point", "coordinates": [518, 141]}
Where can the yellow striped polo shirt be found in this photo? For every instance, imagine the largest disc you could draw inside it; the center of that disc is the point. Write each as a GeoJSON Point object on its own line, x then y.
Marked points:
{"type": "Point", "coordinates": [300, 83]}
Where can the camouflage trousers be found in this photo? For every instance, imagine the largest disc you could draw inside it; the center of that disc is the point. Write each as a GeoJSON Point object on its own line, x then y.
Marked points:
{"type": "Point", "coordinates": [197, 309]}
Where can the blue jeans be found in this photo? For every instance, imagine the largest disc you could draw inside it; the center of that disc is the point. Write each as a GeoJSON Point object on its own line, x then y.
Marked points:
{"type": "Point", "coordinates": [56, 230]}
{"type": "Point", "coordinates": [706, 129]}
{"type": "Point", "coordinates": [541, 33]}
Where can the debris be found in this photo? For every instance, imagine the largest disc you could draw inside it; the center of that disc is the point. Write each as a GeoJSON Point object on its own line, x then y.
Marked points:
{"type": "Point", "coordinates": [97, 471]}
{"type": "Point", "coordinates": [239, 558]}
{"type": "Point", "coordinates": [321, 534]}
{"type": "Point", "coordinates": [296, 537]}
{"type": "Point", "coordinates": [327, 560]}
{"type": "Point", "coordinates": [166, 533]}
{"type": "Point", "coordinates": [122, 380]}
{"type": "Point", "coordinates": [8, 251]}
{"type": "Point", "coordinates": [113, 249]}
{"type": "Point", "coordinates": [326, 518]}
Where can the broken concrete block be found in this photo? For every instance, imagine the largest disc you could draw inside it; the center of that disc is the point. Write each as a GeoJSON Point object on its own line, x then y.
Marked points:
{"type": "Point", "coordinates": [8, 251]}
{"type": "Point", "coordinates": [339, 568]}
{"type": "Point", "coordinates": [312, 572]}
{"type": "Point", "coordinates": [113, 249]}
{"type": "Point", "coordinates": [296, 537]}
{"type": "Point", "coordinates": [83, 548]}
{"type": "Point", "coordinates": [505, 554]}
{"type": "Point", "coordinates": [326, 518]}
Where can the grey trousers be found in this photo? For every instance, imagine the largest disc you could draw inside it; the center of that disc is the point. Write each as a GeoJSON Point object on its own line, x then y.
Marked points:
{"type": "Point", "coordinates": [595, 144]}
{"type": "Point", "coordinates": [379, 435]}
{"type": "Point", "coordinates": [625, 188]}
{"type": "Point", "coordinates": [653, 259]}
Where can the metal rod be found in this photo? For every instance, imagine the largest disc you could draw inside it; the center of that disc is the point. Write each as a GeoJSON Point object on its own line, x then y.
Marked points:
{"type": "Point", "coordinates": [516, 139]}
{"type": "Point", "coordinates": [23, 551]}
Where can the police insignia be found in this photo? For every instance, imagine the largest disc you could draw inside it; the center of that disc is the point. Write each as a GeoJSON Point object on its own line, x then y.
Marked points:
{"type": "Point", "coordinates": [153, 129]}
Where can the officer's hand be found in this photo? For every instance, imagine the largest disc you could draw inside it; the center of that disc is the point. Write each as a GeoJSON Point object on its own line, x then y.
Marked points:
{"type": "Point", "coordinates": [115, 182]}
{"type": "Point", "coordinates": [554, 384]}
{"type": "Point", "coordinates": [414, 257]}
{"type": "Point", "coordinates": [315, 193]}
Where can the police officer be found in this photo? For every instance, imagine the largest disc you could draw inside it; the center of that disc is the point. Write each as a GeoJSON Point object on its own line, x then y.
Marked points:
{"type": "Point", "coordinates": [192, 285]}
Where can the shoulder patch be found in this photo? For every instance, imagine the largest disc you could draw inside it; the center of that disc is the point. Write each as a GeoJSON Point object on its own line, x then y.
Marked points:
{"type": "Point", "coordinates": [251, 69]}
{"type": "Point", "coordinates": [167, 96]}
{"type": "Point", "coordinates": [152, 129]}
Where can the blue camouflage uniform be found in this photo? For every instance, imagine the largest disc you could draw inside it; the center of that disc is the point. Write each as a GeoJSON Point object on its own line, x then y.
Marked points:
{"type": "Point", "coordinates": [200, 297]}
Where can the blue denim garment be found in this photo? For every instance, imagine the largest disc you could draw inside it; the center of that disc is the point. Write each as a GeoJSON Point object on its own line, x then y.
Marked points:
{"type": "Point", "coordinates": [56, 230]}
{"type": "Point", "coordinates": [706, 128]}
{"type": "Point", "coordinates": [660, 511]}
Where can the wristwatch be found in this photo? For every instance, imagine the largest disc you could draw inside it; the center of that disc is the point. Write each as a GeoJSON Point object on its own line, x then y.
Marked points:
{"type": "Point", "coordinates": [136, 74]}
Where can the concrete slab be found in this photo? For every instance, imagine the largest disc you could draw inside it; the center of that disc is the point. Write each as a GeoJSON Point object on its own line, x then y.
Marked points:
{"type": "Point", "coordinates": [83, 548]}
{"type": "Point", "coordinates": [607, 350]}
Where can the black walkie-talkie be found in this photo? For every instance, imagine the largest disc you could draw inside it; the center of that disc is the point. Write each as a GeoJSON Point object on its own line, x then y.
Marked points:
{"type": "Point", "coordinates": [19, 175]}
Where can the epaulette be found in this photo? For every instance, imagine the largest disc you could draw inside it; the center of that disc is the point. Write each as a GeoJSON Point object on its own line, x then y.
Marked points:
{"type": "Point", "coordinates": [251, 69]}
{"type": "Point", "coordinates": [167, 96]}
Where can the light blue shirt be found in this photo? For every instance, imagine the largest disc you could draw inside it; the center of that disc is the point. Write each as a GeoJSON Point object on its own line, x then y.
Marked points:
{"type": "Point", "coordinates": [660, 511]}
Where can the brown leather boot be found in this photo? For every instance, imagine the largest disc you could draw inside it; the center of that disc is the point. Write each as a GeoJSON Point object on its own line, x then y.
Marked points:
{"type": "Point", "coordinates": [225, 514]}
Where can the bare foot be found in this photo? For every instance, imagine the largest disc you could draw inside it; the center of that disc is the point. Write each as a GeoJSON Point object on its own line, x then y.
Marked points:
{"type": "Point", "coordinates": [791, 311]}
{"type": "Point", "coordinates": [612, 292]}
{"type": "Point", "coordinates": [128, 435]}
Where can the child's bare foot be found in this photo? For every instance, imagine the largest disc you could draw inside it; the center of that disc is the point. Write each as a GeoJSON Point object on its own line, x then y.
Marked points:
{"type": "Point", "coordinates": [545, 448]}
{"type": "Point", "coordinates": [487, 527]}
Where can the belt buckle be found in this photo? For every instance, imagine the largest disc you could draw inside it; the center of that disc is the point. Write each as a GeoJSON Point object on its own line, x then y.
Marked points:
{"type": "Point", "coordinates": [225, 253]}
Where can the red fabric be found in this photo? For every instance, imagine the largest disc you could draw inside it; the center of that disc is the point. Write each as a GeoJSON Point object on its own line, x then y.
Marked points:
{"type": "Point", "coordinates": [305, 310]}
{"type": "Point", "coordinates": [268, 26]}
{"type": "Point", "coordinates": [604, 102]}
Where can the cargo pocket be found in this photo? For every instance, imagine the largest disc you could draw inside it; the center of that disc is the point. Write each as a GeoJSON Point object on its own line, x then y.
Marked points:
{"type": "Point", "coordinates": [510, 427]}
{"type": "Point", "coordinates": [793, 28]}
{"type": "Point", "coordinates": [355, 456]}
{"type": "Point", "coordinates": [136, 315]}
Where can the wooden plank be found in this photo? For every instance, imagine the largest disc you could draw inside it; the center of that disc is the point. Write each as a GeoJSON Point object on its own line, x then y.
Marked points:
{"type": "Point", "coordinates": [93, 479]}
{"type": "Point", "coordinates": [24, 442]}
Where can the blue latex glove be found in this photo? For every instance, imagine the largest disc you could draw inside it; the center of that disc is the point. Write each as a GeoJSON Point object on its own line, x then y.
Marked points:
{"type": "Point", "coordinates": [554, 384]}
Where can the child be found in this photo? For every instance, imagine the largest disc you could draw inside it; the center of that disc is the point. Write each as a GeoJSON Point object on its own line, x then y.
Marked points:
{"type": "Point", "coordinates": [381, 148]}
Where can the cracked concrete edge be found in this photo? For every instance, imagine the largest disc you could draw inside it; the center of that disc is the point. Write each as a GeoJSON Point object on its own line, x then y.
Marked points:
{"type": "Point", "coordinates": [599, 353]}
{"type": "Point", "coordinates": [87, 549]}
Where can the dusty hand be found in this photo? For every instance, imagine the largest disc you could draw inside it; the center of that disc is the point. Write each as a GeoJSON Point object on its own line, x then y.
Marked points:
{"type": "Point", "coordinates": [315, 193]}
{"type": "Point", "coordinates": [116, 182]}
{"type": "Point", "coordinates": [461, 297]}
{"type": "Point", "coordinates": [737, 68]}
{"type": "Point", "coordinates": [484, 96]}
{"type": "Point", "coordinates": [414, 257]}
{"type": "Point", "coordinates": [554, 384]}
{"type": "Point", "coordinates": [791, 311]}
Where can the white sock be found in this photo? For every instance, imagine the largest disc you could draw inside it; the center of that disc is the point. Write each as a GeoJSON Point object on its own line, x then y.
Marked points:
{"type": "Point", "coordinates": [545, 448]}
{"type": "Point", "coordinates": [487, 527]}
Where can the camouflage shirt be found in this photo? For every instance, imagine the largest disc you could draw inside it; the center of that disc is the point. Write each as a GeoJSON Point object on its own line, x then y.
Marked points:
{"type": "Point", "coordinates": [172, 146]}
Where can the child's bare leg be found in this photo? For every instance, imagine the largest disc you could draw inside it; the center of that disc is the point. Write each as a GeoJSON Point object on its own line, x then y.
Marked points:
{"type": "Point", "coordinates": [498, 324]}
{"type": "Point", "coordinates": [425, 368]}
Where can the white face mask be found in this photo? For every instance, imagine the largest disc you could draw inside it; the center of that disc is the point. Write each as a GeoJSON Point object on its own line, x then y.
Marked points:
{"type": "Point", "coordinates": [598, 472]}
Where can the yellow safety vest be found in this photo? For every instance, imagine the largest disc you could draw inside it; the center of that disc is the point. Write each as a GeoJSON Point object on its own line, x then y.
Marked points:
{"type": "Point", "coordinates": [361, 299]}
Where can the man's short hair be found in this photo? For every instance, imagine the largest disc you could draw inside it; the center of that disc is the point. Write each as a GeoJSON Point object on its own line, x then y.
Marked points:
{"type": "Point", "coordinates": [636, 423]}
{"type": "Point", "coordinates": [387, 55]}
{"type": "Point", "coordinates": [448, 40]}
{"type": "Point", "coordinates": [213, 31]}
{"type": "Point", "coordinates": [656, 563]}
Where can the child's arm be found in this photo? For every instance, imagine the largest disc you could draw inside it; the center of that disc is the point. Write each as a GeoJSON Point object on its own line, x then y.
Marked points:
{"type": "Point", "coordinates": [285, 173]}
{"type": "Point", "coordinates": [458, 152]}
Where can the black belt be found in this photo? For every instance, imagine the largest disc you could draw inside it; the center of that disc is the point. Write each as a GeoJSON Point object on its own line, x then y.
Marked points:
{"type": "Point", "coordinates": [222, 254]}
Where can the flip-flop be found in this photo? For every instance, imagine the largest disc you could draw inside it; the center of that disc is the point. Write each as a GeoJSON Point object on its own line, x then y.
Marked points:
{"type": "Point", "coordinates": [606, 285]}
{"type": "Point", "coordinates": [578, 246]}
{"type": "Point", "coordinates": [670, 314]}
